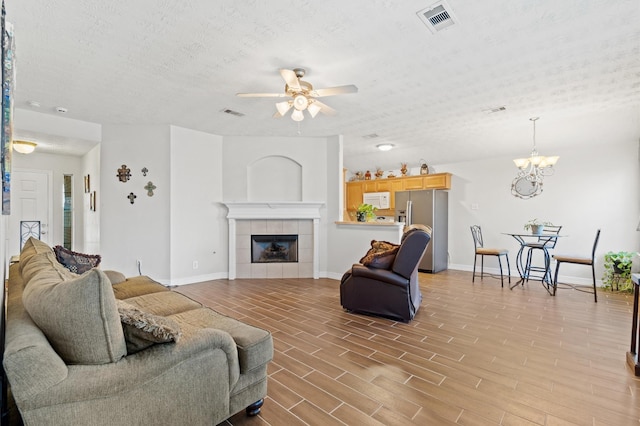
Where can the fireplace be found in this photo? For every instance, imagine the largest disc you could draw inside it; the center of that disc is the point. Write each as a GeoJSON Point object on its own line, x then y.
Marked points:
{"type": "Point", "coordinates": [274, 248]}
{"type": "Point", "coordinates": [274, 218]}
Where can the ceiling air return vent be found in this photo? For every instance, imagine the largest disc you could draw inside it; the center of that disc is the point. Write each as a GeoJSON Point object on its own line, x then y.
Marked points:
{"type": "Point", "coordinates": [437, 16]}
{"type": "Point", "coordinates": [232, 112]}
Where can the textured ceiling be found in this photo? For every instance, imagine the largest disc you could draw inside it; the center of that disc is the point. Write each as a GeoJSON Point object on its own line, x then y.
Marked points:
{"type": "Point", "coordinates": [181, 63]}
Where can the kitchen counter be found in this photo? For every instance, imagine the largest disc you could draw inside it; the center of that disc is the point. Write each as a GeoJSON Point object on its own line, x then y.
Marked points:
{"type": "Point", "coordinates": [353, 240]}
{"type": "Point", "coordinates": [372, 223]}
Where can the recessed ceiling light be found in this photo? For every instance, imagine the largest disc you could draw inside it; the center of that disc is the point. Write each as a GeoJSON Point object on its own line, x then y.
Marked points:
{"type": "Point", "coordinates": [385, 146]}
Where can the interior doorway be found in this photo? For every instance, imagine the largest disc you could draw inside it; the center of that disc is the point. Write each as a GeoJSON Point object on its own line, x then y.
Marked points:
{"type": "Point", "coordinates": [30, 201]}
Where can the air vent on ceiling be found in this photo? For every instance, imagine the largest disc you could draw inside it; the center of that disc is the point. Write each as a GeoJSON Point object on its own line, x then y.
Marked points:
{"type": "Point", "coordinates": [370, 136]}
{"type": "Point", "coordinates": [496, 109]}
{"type": "Point", "coordinates": [437, 16]}
{"type": "Point", "coordinates": [232, 112]}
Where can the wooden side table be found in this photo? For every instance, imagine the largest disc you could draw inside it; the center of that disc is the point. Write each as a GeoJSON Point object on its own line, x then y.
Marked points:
{"type": "Point", "coordinates": [632, 355]}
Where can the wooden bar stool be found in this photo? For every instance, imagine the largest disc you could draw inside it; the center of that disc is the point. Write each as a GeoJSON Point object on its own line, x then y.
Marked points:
{"type": "Point", "coordinates": [486, 251]}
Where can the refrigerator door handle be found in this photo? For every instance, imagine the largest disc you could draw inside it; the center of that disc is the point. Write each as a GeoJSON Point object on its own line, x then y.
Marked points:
{"type": "Point", "coordinates": [409, 212]}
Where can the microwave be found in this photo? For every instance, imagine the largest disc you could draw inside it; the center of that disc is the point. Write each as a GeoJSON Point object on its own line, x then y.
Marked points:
{"type": "Point", "coordinates": [380, 200]}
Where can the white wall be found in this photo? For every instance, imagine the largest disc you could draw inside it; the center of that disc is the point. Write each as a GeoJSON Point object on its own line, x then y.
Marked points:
{"type": "Point", "coordinates": [239, 153]}
{"type": "Point", "coordinates": [91, 167]}
{"type": "Point", "coordinates": [198, 219]}
{"type": "Point", "coordinates": [139, 231]}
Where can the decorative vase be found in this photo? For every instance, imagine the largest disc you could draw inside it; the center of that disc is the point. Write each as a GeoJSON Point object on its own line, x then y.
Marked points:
{"type": "Point", "coordinates": [361, 217]}
{"type": "Point", "coordinates": [537, 229]}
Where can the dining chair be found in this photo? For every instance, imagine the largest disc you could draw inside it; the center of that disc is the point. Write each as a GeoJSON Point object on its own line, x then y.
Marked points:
{"type": "Point", "coordinates": [481, 250]}
{"type": "Point", "coordinates": [544, 243]}
{"type": "Point", "coordinates": [578, 260]}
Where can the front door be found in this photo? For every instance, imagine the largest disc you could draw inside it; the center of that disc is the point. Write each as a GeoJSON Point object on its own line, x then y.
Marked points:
{"type": "Point", "coordinates": [30, 201]}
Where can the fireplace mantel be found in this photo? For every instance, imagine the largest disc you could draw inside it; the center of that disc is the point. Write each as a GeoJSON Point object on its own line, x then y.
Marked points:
{"type": "Point", "coordinates": [284, 210]}
{"type": "Point", "coordinates": [273, 210]}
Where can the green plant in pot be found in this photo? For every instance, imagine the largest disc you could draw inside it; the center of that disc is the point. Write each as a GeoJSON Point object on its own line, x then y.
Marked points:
{"type": "Point", "coordinates": [535, 226]}
{"type": "Point", "coordinates": [617, 271]}
{"type": "Point", "coordinates": [365, 212]}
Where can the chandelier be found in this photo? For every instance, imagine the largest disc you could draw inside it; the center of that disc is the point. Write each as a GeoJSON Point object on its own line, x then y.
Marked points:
{"type": "Point", "coordinates": [532, 170]}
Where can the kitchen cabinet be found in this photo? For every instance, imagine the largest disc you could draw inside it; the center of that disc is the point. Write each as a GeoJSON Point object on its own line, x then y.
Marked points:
{"type": "Point", "coordinates": [355, 189]}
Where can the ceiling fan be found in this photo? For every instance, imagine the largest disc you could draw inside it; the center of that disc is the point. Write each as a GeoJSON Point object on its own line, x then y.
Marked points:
{"type": "Point", "coordinates": [303, 96]}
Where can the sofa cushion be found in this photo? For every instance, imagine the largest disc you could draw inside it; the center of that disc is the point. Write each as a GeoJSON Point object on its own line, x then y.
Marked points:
{"type": "Point", "coordinates": [163, 303]}
{"type": "Point", "coordinates": [79, 316]}
{"type": "Point", "coordinates": [255, 345]}
{"type": "Point", "coordinates": [142, 329]}
{"type": "Point", "coordinates": [78, 263]}
{"type": "Point", "coordinates": [30, 248]}
{"type": "Point", "coordinates": [381, 255]}
{"type": "Point", "coordinates": [137, 286]}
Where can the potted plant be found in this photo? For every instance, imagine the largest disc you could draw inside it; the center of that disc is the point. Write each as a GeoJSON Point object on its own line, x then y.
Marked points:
{"type": "Point", "coordinates": [365, 212]}
{"type": "Point", "coordinates": [535, 226]}
{"type": "Point", "coordinates": [617, 271]}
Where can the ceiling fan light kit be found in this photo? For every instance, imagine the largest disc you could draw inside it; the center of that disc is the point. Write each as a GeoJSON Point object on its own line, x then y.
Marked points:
{"type": "Point", "coordinates": [303, 96]}
{"type": "Point", "coordinates": [532, 170]}
{"type": "Point", "coordinates": [283, 107]}
{"type": "Point", "coordinates": [297, 115]}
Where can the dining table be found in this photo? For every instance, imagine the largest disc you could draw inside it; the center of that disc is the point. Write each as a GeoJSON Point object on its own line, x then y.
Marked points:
{"type": "Point", "coordinates": [542, 241]}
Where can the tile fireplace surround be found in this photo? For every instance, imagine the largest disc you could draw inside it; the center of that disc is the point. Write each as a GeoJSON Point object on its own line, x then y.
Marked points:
{"type": "Point", "coordinates": [295, 217]}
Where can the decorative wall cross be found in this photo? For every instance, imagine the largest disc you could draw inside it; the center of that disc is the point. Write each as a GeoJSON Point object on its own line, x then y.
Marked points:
{"type": "Point", "coordinates": [144, 171]}
{"type": "Point", "coordinates": [124, 173]}
{"type": "Point", "coordinates": [150, 187]}
{"type": "Point", "coordinates": [131, 197]}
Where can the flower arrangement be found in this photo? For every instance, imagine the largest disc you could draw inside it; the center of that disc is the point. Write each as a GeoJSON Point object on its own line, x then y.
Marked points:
{"type": "Point", "coordinates": [365, 212]}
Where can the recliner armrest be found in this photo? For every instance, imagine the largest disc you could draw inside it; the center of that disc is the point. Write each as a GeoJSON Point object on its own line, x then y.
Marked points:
{"type": "Point", "coordinates": [383, 275]}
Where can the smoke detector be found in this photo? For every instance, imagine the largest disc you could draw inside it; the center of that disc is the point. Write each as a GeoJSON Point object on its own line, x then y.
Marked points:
{"type": "Point", "coordinates": [438, 16]}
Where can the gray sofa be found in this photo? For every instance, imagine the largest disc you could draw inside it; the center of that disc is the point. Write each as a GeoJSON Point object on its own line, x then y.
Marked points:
{"type": "Point", "coordinates": [69, 359]}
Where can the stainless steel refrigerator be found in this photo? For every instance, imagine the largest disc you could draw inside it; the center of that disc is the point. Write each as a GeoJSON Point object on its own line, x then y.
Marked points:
{"type": "Point", "coordinates": [428, 207]}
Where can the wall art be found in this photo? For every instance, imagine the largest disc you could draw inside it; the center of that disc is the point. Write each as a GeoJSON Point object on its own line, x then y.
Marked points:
{"type": "Point", "coordinates": [93, 201]}
{"type": "Point", "coordinates": [132, 197]}
{"type": "Point", "coordinates": [6, 135]}
{"type": "Point", "coordinates": [150, 187]}
{"type": "Point", "coordinates": [124, 173]}
{"type": "Point", "coordinates": [87, 184]}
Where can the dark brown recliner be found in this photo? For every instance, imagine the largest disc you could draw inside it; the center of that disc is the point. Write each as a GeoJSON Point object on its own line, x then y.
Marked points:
{"type": "Point", "coordinates": [391, 293]}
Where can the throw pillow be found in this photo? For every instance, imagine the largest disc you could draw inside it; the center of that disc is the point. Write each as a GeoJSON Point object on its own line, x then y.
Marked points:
{"type": "Point", "coordinates": [78, 316]}
{"type": "Point", "coordinates": [381, 255]}
{"type": "Point", "coordinates": [78, 263]}
{"type": "Point", "coordinates": [142, 329]}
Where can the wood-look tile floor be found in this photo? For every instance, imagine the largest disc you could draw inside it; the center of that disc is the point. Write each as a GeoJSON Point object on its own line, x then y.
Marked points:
{"type": "Point", "coordinates": [475, 354]}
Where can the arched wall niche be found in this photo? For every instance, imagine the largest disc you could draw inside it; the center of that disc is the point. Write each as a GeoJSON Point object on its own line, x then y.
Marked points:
{"type": "Point", "coordinates": [274, 178]}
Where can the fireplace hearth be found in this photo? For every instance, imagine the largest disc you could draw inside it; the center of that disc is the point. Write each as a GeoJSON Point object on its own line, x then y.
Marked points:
{"type": "Point", "coordinates": [274, 248]}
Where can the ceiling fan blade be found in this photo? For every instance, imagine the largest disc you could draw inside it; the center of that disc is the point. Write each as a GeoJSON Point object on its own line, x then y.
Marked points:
{"type": "Point", "coordinates": [331, 91]}
{"type": "Point", "coordinates": [291, 79]}
{"type": "Point", "coordinates": [261, 95]}
{"type": "Point", "coordinates": [324, 108]}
